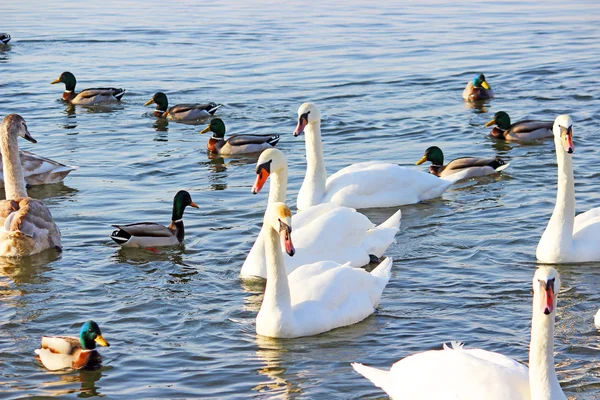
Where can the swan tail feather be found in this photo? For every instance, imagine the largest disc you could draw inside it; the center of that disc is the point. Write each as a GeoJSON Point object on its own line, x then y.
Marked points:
{"type": "Point", "coordinates": [384, 269]}
{"type": "Point", "coordinates": [393, 221]}
{"type": "Point", "coordinates": [377, 376]}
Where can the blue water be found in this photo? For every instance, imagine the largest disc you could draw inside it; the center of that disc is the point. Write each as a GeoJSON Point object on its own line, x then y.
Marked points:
{"type": "Point", "coordinates": [388, 79]}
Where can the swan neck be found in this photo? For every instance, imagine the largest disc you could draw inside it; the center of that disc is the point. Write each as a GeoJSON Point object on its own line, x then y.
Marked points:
{"type": "Point", "coordinates": [14, 180]}
{"type": "Point", "coordinates": [315, 178]}
{"type": "Point", "coordinates": [278, 188]}
{"type": "Point", "coordinates": [542, 375]}
{"type": "Point", "coordinates": [277, 299]}
{"type": "Point", "coordinates": [563, 216]}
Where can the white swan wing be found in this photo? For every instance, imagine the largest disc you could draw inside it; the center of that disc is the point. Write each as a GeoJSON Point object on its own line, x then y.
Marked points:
{"type": "Point", "coordinates": [374, 184]}
{"type": "Point", "coordinates": [586, 237]}
{"type": "Point", "coordinates": [457, 373]}
{"type": "Point", "coordinates": [327, 295]}
{"type": "Point", "coordinates": [585, 218]}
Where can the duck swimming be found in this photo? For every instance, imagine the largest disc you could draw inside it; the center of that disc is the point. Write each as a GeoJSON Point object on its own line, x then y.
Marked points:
{"type": "Point", "coordinates": [181, 112]}
{"type": "Point", "coordinates": [470, 167]}
{"type": "Point", "coordinates": [236, 144]}
{"type": "Point", "coordinates": [478, 89]}
{"type": "Point", "coordinates": [86, 97]}
{"type": "Point", "coordinates": [522, 131]}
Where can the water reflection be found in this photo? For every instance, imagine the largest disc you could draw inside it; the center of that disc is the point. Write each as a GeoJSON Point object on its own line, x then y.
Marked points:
{"type": "Point", "coordinates": [478, 106]}
{"type": "Point", "coordinates": [28, 270]}
{"type": "Point", "coordinates": [139, 256]}
{"type": "Point", "coordinates": [271, 352]}
{"type": "Point", "coordinates": [57, 191]}
{"type": "Point", "coordinates": [87, 377]}
{"type": "Point", "coordinates": [161, 125]}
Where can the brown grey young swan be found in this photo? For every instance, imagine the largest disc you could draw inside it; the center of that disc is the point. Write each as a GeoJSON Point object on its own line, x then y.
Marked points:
{"type": "Point", "coordinates": [26, 225]}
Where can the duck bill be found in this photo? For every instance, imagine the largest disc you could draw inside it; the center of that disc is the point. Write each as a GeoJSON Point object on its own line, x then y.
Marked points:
{"type": "Point", "coordinates": [192, 204]}
{"type": "Point", "coordinates": [286, 236]}
{"type": "Point", "coordinates": [421, 160]}
{"type": "Point", "coordinates": [300, 127]}
{"type": "Point", "coordinates": [490, 123]}
{"type": "Point", "coordinates": [548, 305]}
{"type": "Point", "coordinates": [567, 139]}
{"type": "Point", "coordinates": [149, 102]}
{"type": "Point", "coordinates": [261, 178]}
{"type": "Point", "coordinates": [485, 85]}
{"type": "Point", "coordinates": [100, 340]}
{"type": "Point", "coordinates": [57, 80]}
{"type": "Point", "coordinates": [205, 129]}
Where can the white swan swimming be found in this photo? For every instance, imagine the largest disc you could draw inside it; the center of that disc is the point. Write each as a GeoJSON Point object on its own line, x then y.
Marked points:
{"type": "Point", "coordinates": [324, 232]}
{"type": "Point", "coordinates": [362, 185]}
{"type": "Point", "coordinates": [568, 238]}
{"type": "Point", "coordinates": [317, 297]}
{"type": "Point", "coordinates": [459, 374]}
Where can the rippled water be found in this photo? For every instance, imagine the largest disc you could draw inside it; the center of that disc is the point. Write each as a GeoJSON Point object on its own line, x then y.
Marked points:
{"type": "Point", "coordinates": [388, 79]}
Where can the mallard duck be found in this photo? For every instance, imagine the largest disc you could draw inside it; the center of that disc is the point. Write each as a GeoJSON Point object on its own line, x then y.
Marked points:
{"type": "Point", "coordinates": [86, 97]}
{"type": "Point", "coordinates": [476, 166]}
{"type": "Point", "coordinates": [4, 38]}
{"type": "Point", "coordinates": [522, 131]}
{"type": "Point", "coordinates": [478, 89]}
{"type": "Point", "coordinates": [459, 373]}
{"type": "Point", "coordinates": [150, 234]}
{"type": "Point", "coordinates": [26, 224]}
{"type": "Point", "coordinates": [181, 112]}
{"type": "Point", "coordinates": [60, 352]}
{"type": "Point", "coordinates": [40, 170]}
{"type": "Point", "coordinates": [236, 144]}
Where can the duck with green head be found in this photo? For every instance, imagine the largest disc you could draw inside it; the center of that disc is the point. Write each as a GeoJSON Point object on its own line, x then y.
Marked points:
{"type": "Point", "coordinates": [181, 112]}
{"type": "Point", "coordinates": [477, 89]}
{"type": "Point", "coordinates": [470, 167]}
{"type": "Point", "coordinates": [236, 144]}
{"type": "Point", "coordinates": [60, 352]}
{"type": "Point", "coordinates": [522, 131]}
{"type": "Point", "coordinates": [87, 97]}
{"type": "Point", "coordinates": [151, 234]}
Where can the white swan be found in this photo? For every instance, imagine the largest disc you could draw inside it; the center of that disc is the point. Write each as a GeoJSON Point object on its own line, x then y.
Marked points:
{"type": "Point", "coordinates": [597, 319]}
{"type": "Point", "coordinates": [317, 297]}
{"type": "Point", "coordinates": [568, 238]}
{"type": "Point", "coordinates": [324, 232]}
{"type": "Point", "coordinates": [361, 185]}
{"type": "Point", "coordinates": [457, 373]}
{"type": "Point", "coordinates": [26, 225]}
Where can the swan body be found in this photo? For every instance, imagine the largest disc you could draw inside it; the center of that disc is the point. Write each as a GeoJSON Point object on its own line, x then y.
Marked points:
{"type": "Point", "coordinates": [60, 352]}
{"type": "Point", "coordinates": [471, 167]}
{"type": "Point", "coordinates": [363, 185]}
{"type": "Point", "coordinates": [151, 234]}
{"type": "Point", "coordinates": [26, 224]}
{"type": "Point", "coordinates": [40, 170]}
{"type": "Point", "coordinates": [323, 232]}
{"type": "Point", "coordinates": [236, 144]}
{"type": "Point", "coordinates": [460, 374]}
{"type": "Point", "coordinates": [568, 238]}
{"type": "Point", "coordinates": [597, 319]}
{"type": "Point", "coordinates": [522, 131]}
{"type": "Point", "coordinates": [181, 112]}
{"type": "Point", "coordinates": [314, 298]}
{"type": "Point", "coordinates": [86, 97]}
{"type": "Point", "coordinates": [477, 89]}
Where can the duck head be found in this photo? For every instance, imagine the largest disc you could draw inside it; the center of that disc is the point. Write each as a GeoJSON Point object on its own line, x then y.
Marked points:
{"type": "Point", "coordinates": [270, 160]}
{"type": "Point", "coordinates": [68, 79]}
{"type": "Point", "coordinates": [308, 113]}
{"type": "Point", "coordinates": [563, 130]}
{"type": "Point", "coordinates": [434, 155]}
{"type": "Point", "coordinates": [480, 82]}
{"type": "Point", "coordinates": [217, 127]}
{"type": "Point", "coordinates": [501, 119]}
{"type": "Point", "coordinates": [180, 202]}
{"type": "Point", "coordinates": [90, 335]}
{"type": "Point", "coordinates": [161, 101]}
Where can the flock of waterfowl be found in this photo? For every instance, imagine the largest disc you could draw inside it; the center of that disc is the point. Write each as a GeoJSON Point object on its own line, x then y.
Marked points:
{"type": "Point", "coordinates": [312, 260]}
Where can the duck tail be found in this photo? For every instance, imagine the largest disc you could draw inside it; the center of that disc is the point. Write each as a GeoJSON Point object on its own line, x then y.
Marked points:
{"type": "Point", "coordinates": [215, 108]}
{"type": "Point", "coordinates": [119, 93]}
{"type": "Point", "coordinates": [273, 140]}
{"type": "Point", "coordinates": [499, 164]}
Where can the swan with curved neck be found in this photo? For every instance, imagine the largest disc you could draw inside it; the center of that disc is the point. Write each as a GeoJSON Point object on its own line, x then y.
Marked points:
{"type": "Point", "coordinates": [362, 185]}
{"type": "Point", "coordinates": [478, 374]}
{"type": "Point", "coordinates": [324, 232]}
{"type": "Point", "coordinates": [26, 224]}
{"type": "Point", "coordinates": [316, 297]}
{"type": "Point", "coordinates": [568, 238]}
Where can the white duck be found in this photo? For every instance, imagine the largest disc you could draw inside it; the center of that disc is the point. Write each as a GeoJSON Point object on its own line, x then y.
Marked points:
{"type": "Point", "coordinates": [568, 238]}
{"type": "Point", "coordinates": [317, 297]}
{"type": "Point", "coordinates": [362, 185]}
{"type": "Point", "coordinates": [324, 232]}
{"type": "Point", "coordinates": [26, 224]}
{"type": "Point", "coordinates": [457, 373]}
